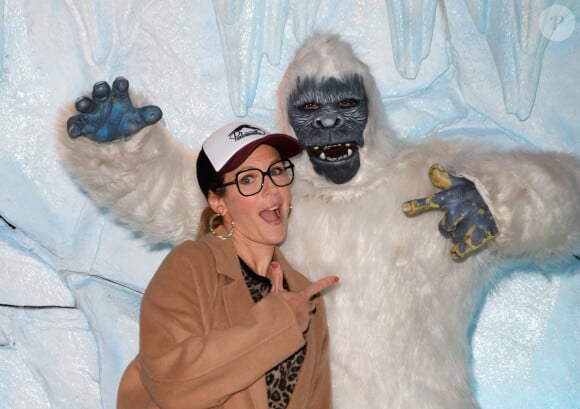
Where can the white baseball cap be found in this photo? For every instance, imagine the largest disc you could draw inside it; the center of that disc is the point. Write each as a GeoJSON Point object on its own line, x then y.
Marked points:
{"type": "Point", "coordinates": [229, 146]}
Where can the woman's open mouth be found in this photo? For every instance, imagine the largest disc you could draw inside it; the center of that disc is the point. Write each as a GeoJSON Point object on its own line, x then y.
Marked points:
{"type": "Point", "coordinates": [271, 215]}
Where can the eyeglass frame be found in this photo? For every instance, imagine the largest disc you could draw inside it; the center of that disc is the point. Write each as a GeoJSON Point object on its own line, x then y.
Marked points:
{"type": "Point", "coordinates": [290, 166]}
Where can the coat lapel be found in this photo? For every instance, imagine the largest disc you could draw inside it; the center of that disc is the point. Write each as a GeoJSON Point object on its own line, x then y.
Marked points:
{"type": "Point", "coordinates": [237, 301]}
{"type": "Point", "coordinates": [298, 282]}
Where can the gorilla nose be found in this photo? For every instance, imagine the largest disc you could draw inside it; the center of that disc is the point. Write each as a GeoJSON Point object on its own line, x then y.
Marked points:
{"type": "Point", "coordinates": [329, 121]}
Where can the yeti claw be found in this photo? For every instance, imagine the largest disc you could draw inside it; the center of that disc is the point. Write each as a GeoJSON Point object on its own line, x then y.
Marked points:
{"type": "Point", "coordinates": [110, 114]}
{"type": "Point", "coordinates": [467, 219]}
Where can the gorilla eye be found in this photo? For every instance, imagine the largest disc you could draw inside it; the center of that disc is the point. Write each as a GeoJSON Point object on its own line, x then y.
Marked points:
{"type": "Point", "coordinates": [348, 103]}
{"type": "Point", "coordinates": [310, 106]}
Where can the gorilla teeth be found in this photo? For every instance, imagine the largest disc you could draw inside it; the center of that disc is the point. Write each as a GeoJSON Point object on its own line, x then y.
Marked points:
{"type": "Point", "coordinates": [333, 153]}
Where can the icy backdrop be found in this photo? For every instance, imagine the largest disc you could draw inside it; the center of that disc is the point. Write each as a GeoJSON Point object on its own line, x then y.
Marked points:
{"type": "Point", "coordinates": [72, 278]}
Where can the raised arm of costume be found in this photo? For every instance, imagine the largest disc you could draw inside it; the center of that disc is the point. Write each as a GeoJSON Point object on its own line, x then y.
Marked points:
{"type": "Point", "coordinates": [192, 359]}
{"type": "Point", "coordinates": [126, 161]}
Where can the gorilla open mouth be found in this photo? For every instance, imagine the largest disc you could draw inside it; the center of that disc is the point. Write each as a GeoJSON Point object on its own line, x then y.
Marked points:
{"type": "Point", "coordinates": [338, 163]}
{"type": "Point", "coordinates": [333, 153]}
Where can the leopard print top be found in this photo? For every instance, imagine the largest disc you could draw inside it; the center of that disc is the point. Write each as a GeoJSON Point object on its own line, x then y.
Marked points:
{"type": "Point", "coordinates": [280, 380]}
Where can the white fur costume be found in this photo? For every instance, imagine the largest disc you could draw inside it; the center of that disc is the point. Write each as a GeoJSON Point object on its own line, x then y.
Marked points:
{"type": "Point", "coordinates": [399, 319]}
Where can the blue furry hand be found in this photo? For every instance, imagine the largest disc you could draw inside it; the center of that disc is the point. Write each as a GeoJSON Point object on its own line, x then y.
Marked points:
{"type": "Point", "coordinates": [467, 218]}
{"type": "Point", "coordinates": [110, 115]}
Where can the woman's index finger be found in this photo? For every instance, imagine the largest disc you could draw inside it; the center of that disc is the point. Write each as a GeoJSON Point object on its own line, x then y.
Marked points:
{"type": "Point", "coordinates": [320, 285]}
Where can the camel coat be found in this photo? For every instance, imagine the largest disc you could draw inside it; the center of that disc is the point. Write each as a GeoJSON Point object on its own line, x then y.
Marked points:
{"type": "Point", "coordinates": [205, 344]}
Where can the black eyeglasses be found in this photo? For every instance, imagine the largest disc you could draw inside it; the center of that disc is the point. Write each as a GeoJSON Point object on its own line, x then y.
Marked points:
{"type": "Point", "coordinates": [251, 181]}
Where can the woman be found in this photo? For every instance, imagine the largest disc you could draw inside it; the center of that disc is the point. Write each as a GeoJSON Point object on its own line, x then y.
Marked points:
{"type": "Point", "coordinates": [225, 321]}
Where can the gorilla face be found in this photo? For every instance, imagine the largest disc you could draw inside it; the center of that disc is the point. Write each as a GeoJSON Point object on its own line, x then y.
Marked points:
{"type": "Point", "coordinates": [329, 118]}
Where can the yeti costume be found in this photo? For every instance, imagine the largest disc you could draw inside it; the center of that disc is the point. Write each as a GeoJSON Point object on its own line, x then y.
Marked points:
{"type": "Point", "coordinates": [399, 320]}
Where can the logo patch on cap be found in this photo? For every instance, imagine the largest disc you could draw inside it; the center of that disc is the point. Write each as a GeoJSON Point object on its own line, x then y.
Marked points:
{"type": "Point", "coordinates": [245, 130]}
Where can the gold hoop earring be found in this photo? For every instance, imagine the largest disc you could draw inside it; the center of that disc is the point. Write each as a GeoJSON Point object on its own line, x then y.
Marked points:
{"type": "Point", "coordinates": [290, 210]}
{"type": "Point", "coordinates": [220, 236]}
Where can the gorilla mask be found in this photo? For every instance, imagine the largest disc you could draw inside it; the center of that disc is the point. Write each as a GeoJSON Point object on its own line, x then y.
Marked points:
{"type": "Point", "coordinates": [329, 117]}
